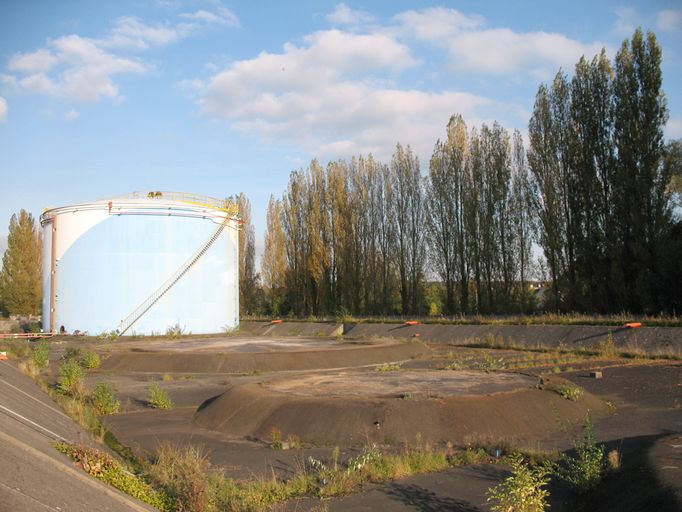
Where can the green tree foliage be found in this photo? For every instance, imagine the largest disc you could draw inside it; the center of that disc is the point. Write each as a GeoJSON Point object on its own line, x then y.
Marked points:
{"type": "Point", "coordinates": [273, 261]}
{"type": "Point", "coordinates": [248, 279]}
{"type": "Point", "coordinates": [596, 190]}
{"type": "Point", "coordinates": [603, 179]}
{"type": "Point", "coordinates": [21, 274]}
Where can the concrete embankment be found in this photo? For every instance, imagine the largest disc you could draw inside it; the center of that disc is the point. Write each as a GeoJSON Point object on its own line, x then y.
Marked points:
{"type": "Point", "coordinates": [652, 340]}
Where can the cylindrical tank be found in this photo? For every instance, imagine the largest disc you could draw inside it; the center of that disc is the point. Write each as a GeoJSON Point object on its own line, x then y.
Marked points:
{"type": "Point", "coordinates": [141, 264]}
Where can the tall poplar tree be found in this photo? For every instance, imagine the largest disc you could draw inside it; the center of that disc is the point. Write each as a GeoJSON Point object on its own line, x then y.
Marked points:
{"type": "Point", "coordinates": [273, 261]}
{"type": "Point", "coordinates": [640, 187]}
{"type": "Point", "coordinates": [248, 279]}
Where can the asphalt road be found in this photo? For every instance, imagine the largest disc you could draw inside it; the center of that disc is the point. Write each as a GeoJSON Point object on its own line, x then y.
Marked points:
{"type": "Point", "coordinates": [33, 475]}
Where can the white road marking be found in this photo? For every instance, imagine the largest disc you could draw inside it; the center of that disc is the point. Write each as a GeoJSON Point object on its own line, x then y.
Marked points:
{"type": "Point", "coordinates": [17, 491]}
{"type": "Point", "coordinates": [24, 418]}
{"type": "Point", "coordinates": [34, 398]}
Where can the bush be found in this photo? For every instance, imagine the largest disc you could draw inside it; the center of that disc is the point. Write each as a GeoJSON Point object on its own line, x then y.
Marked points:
{"type": "Point", "coordinates": [40, 357]}
{"type": "Point", "coordinates": [72, 353]}
{"type": "Point", "coordinates": [572, 393]}
{"type": "Point", "coordinates": [175, 331]}
{"type": "Point", "coordinates": [90, 360]}
{"type": "Point", "coordinates": [72, 378]}
{"type": "Point", "coordinates": [607, 347]}
{"type": "Point", "coordinates": [584, 469]}
{"type": "Point", "coordinates": [158, 398]}
{"type": "Point", "coordinates": [184, 472]}
{"type": "Point", "coordinates": [104, 399]}
{"type": "Point", "coordinates": [387, 367]}
{"type": "Point", "coordinates": [524, 490]}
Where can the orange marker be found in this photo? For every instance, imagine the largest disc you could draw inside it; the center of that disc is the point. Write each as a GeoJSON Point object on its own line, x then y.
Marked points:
{"type": "Point", "coordinates": [634, 325]}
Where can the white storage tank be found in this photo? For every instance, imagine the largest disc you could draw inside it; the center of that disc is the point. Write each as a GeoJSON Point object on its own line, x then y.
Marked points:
{"type": "Point", "coordinates": [141, 264]}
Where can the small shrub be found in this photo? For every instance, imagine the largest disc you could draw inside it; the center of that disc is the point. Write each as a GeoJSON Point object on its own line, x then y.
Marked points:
{"type": "Point", "coordinates": [167, 377]}
{"type": "Point", "coordinates": [104, 399]}
{"type": "Point", "coordinates": [614, 460]}
{"type": "Point", "coordinates": [607, 347]}
{"type": "Point", "coordinates": [72, 378]}
{"type": "Point", "coordinates": [29, 368]}
{"type": "Point", "coordinates": [90, 360]}
{"type": "Point", "coordinates": [524, 490]}
{"type": "Point", "coordinates": [572, 393]}
{"type": "Point", "coordinates": [40, 357]}
{"type": "Point", "coordinates": [584, 469]}
{"type": "Point", "coordinates": [175, 331]}
{"type": "Point", "coordinates": [183, 470]}
{"type": "Point", "coordinates": [158, 398]}
{"type": "Point", "coordinates": [387, 367]}
{"type": "Point", "coordinates": [276, 438]}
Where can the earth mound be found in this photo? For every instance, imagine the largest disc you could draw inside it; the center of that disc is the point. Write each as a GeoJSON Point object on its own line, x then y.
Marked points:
{"type": "Point", "coordinates": [352, 408]}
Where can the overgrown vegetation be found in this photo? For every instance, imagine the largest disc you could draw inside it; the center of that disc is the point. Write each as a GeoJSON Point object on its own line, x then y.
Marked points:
{"type": "Point", "coordinates": [72, 378]}
{"type": "Point", "coordinates": [90, 360]}
{"type": "Point", "coordinates": [183, 471]}
{"type": "Point", "coordinates": [104, 399]}
{"type": "Point", "coordinates": [175, 331]}
{"type": "Point", "coordinates": [584, 469]}
{"type": "Point", "coordinates": [104, 467]}
{"type": "Point", "coordinates": [388, 367]}
{"type": "Point", "coordinates": [524, 490]}
{"type": "Point", "coordinates": [158, 398]}
{"type": "Point", "coordinates": [569, 392]}
{"type": "Point", "coordinates": [40, 357]}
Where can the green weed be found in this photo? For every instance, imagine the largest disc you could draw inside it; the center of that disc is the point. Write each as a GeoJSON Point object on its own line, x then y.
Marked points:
{"type": "Point", "coordinates": [158, 398]}
{"type": "Point", "coordinates": [90, 360]}
{"type": "Point", "coordinates": [524, 490]}
{"type": "Point", "coordinates": [72, 378]}
{"type": "Point", "coordinates": [104, 399]}
{"type": "Point", "coordinates": [104, 467]}
{"type": "Point", "coordinates": [584, 469]}
{"type": "Point", "coordinates": [388, 367]}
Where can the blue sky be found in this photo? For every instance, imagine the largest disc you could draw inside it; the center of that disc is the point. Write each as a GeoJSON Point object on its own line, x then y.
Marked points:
{"type": "Point", "coordinates": [98, 99]}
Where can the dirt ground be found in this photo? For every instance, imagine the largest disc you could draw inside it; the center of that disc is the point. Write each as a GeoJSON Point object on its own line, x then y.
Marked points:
{"type": "Point", "coordinates": [232, 392]}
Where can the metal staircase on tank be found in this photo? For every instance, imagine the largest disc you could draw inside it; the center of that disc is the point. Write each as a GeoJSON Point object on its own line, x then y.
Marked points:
{"type": "Point", "coordinates": [140, 311]}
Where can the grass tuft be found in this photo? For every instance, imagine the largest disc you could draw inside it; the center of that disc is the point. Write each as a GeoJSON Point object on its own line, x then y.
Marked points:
{"type": "Point", "coordinates": [158, 398]}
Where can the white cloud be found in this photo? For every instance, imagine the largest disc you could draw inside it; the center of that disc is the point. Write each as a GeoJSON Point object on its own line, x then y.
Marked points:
{"type": "Point", "coordinates": [39, 61]}
{"type": "Point", "coordinates": [503, 51]}
{"type": "Point", "coordinates": [626, 21]}
{"type": "Point", "coordinates": [473, 46]}
{"type": "Point", "coordinates": [437, 23]}
{"type": "Point", "coordinates": [78, 69]}
{"type": "Point", "coordinates": [221, 16]}
{"type": "Point", "coordinates": [130, 31]}
{"type": "Point", "coordinates": [669, 20]}
{"type": "Point", "coordinates": [83, 69]}
{"type": "Point", "coordinates": [344, 15]}
{"type": "Point", "coordinates": [3, 109]}
{"type": "Point", "coordinates": [72, 115]}
{"type": "Point", "coordinates": [307, 95]}
{"type": "Point", "coordinates": [336, 93]}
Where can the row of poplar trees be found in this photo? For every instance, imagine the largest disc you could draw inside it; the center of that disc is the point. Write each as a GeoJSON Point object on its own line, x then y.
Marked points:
{"type": "Point", "coordinates": [592, 191]}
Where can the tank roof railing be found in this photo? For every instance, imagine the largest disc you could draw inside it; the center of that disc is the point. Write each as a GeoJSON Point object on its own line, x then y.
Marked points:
{"type": "Point", "coordinates": [226, 205]}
